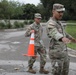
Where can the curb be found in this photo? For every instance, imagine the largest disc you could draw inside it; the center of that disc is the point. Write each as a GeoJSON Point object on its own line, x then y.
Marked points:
{"type": "Point", "coordinates": [71, 52]}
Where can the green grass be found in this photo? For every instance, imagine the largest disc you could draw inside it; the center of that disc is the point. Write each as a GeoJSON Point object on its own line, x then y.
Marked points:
{"type": "Point", "coordinates": [71, 21]}
{"type": "Point", "coordinates": [71, 29]}
{"type": "Point", "coordinates": [72, 46]}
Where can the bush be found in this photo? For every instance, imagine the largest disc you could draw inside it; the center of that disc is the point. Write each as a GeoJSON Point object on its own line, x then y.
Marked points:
{"type": "Point", "coordinates": [8, 25]}
{"type": "Point", "coordinates": [18, 24]}
{"type": "Point", "coordinates": [22, 25]}
{"type": "Point", "coordinates": [26, 22]}
{"type": "Point", "coordinates": [2, 25]}
{"type": "Point", "coordinates": [31, 21]}
{"type": "Point", "coordinates": [43, 21]}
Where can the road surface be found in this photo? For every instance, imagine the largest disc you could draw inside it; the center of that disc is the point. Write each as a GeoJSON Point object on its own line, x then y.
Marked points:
{"type": "Point", "coordinates": [12, 47]}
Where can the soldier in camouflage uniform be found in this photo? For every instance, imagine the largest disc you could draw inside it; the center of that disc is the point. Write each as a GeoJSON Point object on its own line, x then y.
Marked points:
{"type": "Point", "coordinates": [39, 47]}
{"type": "Point", "coordinates": [58, 39]}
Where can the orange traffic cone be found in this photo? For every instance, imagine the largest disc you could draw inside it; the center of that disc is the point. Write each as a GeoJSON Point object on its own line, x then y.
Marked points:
{"type": "Point", "coordinates": [31, 46]}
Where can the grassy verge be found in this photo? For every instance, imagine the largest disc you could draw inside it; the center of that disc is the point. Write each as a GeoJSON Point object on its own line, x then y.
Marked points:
{"type": "Point", "coordinates": [71, 21]}
{"type": "Point", "coordinates": [71, 29]}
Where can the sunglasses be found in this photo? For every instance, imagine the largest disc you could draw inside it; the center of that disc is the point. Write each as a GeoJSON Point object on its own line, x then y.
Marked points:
{"type": "Point", "coordinates": [60, 11]}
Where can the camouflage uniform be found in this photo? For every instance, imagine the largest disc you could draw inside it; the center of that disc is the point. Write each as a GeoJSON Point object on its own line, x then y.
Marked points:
{"type": "Point", "coordinates": [57, 49]}
{"type": "Point", "coordinates": [39, 47]}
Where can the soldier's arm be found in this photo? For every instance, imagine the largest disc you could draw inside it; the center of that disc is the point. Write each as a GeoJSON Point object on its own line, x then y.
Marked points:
{"type": "Point", "coordinates": [53, 32]}
{"type": "Point", "coordinates": [41, 30]}
{"type": "Point", "coordinates": [28, 31]}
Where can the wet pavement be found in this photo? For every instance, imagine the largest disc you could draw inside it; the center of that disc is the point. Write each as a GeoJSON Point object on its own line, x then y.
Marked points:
{"type": "Point", "coordinates": [13, 45]}
{"type": "Point", "coordinates": [12, 67]}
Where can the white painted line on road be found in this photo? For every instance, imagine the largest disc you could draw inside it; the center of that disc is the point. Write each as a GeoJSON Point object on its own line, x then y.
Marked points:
{"type": "Point", "coordinates": [16, 42]}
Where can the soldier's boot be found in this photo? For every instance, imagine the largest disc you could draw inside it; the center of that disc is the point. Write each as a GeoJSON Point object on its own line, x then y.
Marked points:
{"type": "Point", "coordinates": [30, 70]}
{"type": "Point", "coordinates": [43, 71]}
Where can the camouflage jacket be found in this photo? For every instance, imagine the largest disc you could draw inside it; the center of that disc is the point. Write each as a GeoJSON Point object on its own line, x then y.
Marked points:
{"type": "Point", "coordinates": [55, 31]}
{"type": "Point", "coordinates": [38, 33]}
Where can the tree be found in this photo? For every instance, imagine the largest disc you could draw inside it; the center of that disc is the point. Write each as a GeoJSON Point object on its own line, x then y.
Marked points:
{"type": "Point", "coordinates": [70, 6]}
{"type": "Point", "coordinates": [29, 10]}
{"type": "Point", "coordinates": [48, 7]}
{"type": "Point", "coordinates": [6, 9]}
{"type": "Point", "coordinates": [10, 9]}
{"type": "Point", "coordinates": [42, 10]}
{"type": "Point", "coordinates": [18, 10]}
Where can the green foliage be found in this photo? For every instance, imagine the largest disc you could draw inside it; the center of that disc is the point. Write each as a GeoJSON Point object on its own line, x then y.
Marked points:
{"type": "Point", "coordinates": [18, 24]}
{"type": "Point", "coordinates": [72, 46]}
{"type": "Point", "coordinates": [15, 10]}
{"type": "Point", "coordinates": [31, 21]}
{"type": "Point", "coordinates": [43, 11]}
{"type": "Point", "coordinates": [43, 21]}
{"type": "Point", "coordinates": [18, 10]}
{"type": "Point", "coordinates": [2, 25]}
{"type": "Point", "coordinates": [21, 25]}
{"type": "Point", "coordinates": [26, 22]}
{"type": "Point", "coordinates": [71, 21]}
{"type": "Point", "coordinates": [29, 10]}
{"type": "Point", "coordinates": [9, 9]}
{"type": "Point", "coordinates": [71, 29]}
{"type": "Point", "coordinates": [70, 6]}
{"type": "Point", "coordinates": [8, 25]}
{"type": "Point", "coordinates": [5, 25]}
{"type": "Point", "coordinates": [6, 9]}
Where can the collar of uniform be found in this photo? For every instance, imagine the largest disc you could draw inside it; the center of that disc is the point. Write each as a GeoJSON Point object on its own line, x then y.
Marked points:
{"type": "Point", "coordinates": [37, 24]}
{"type": "Point", "coordinates": [55, 19]}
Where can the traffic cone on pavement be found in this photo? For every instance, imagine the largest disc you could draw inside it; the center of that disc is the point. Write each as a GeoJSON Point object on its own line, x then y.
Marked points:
{"type": "Point", "coordinates": [31, 46]}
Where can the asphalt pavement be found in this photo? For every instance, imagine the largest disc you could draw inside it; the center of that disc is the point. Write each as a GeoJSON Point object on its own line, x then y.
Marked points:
{"type": "Point", "coordinates": [20, 67]}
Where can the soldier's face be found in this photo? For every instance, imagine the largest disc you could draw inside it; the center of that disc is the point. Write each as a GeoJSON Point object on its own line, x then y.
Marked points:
{"type": "Point", "coordinates": [57, 14]}
{"type": "Point", "coordinates": [37, 20]}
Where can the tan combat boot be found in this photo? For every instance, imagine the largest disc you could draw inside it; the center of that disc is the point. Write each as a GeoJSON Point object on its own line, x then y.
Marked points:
{"type": "Point", "coordinates": [30, 70]}
{"type": "Point", "coordinates": [42, 70]}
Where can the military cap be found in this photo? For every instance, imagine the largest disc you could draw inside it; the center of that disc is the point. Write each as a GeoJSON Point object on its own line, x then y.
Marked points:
{"type": "Point", "coordinates": [38, 15]}
{"type": "Point", "coordinates": [58, 7]}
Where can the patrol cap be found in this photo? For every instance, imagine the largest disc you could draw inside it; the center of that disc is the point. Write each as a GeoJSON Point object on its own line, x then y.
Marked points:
{"type": "Point", "coordinates": [58, 7]}
{"type": "Point", "coordinates": [38, 15]}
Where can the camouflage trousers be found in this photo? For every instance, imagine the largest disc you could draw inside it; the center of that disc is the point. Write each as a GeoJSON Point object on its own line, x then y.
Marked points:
{"type": "Point", "coordinates": [59, 62]}
{"type": "Point", "coordinates": [42, 52]}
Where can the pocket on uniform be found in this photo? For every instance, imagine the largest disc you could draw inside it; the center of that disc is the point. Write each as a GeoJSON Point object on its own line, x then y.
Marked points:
{"type": "Point", "coordinates": [56, 54]}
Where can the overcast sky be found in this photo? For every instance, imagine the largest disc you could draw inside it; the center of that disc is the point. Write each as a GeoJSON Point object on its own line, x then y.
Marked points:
{"type": "Point", "coordinates": [28, 1]}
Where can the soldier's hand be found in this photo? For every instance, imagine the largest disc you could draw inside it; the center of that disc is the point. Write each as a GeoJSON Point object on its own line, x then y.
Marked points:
{"type": "Point", "coordinates": [32, 31]}
{"type": "Point", "coordinates": [66, 40]}
{"type": "Point", "coordinates": [73, 40]}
